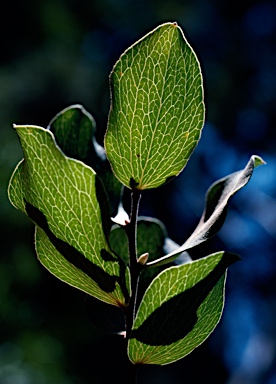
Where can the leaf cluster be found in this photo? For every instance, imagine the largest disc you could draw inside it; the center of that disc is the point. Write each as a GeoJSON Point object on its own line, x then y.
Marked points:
{"type": "Point", "coordinates": [139, 282]}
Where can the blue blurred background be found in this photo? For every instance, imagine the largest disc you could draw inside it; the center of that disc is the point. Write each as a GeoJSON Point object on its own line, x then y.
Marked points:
{"type": "Point", "coordinates": [57, 53]}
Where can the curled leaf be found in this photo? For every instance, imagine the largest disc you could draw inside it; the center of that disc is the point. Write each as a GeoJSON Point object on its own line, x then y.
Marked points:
{"type": "Point", "coordinates": [214, 214]}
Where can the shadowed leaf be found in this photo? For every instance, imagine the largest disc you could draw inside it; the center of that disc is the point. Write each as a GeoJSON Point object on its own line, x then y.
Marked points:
{"type": "Point", "coordinates": [152, 239]}
{"type": "Point", "coordinates": [74, 130]}
{"type": "Point", "coordinates": [151, 235]}
{"type": "Point", "coordinates": [179, 310]}
{"type": "Point", "coordinates": [61, 196]}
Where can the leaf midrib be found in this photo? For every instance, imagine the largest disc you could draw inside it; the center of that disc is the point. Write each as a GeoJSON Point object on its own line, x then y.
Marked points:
{"type": "Point", "coordinates": [157, 119]}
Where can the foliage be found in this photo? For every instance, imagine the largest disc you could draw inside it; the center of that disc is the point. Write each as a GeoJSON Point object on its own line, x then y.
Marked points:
{"type": "Point", "coordinates": [70, 187]}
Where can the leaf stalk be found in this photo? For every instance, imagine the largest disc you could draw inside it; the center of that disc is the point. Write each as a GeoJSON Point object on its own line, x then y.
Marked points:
{"type": "Point", "coordinates": [135, 269]}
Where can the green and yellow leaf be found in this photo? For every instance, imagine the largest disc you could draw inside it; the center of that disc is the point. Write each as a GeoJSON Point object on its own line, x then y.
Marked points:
{"type": "Point", "coordinates": [66, 201]}
{"type": "Point", "coordinates": [157, 109]}
{"type": "Point", "coordinates": [179, 310]}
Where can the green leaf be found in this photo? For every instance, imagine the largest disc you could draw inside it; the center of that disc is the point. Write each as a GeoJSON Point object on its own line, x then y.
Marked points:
{"type": "Point", "coordinates": [74, 130]}
{"type": "Point", "coordinates": [151, 239]}
{"type": "Point", "coordinates": [215, 211]}
{"type": "Point", "coordinates": [179, 310]}
{"type": "Point", "coordinates": [157, 109]}
{"type": "Point", "coordinates": [119, 243]}
{"type": "Point", "coordinates": [151, 235]}
{"type": "Point", "coordinates": [65, 199]}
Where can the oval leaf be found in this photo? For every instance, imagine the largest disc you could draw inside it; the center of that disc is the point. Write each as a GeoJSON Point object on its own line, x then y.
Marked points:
{"type": "Point", "coordinates": [65, 200]}
{"type": "Point", "coordinates": [179, 310]}
{"type": "Point", "coordinates": [157, 110]}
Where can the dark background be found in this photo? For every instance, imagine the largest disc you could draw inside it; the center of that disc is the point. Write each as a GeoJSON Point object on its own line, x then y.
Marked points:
{"type": "Point", "coordinates": [57, 53]}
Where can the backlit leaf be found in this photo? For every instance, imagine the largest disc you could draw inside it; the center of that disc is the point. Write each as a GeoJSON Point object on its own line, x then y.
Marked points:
{"type": "Point", "coordinates": [157, 110]}
{"type": "Point", "coordinates": [66, 201]}
{"type": "Point", "coordinates": [179, 310]}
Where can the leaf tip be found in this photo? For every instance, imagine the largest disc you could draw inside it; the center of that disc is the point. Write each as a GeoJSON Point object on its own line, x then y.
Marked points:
{"type": "Point", "coordinates": [258, 161]}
